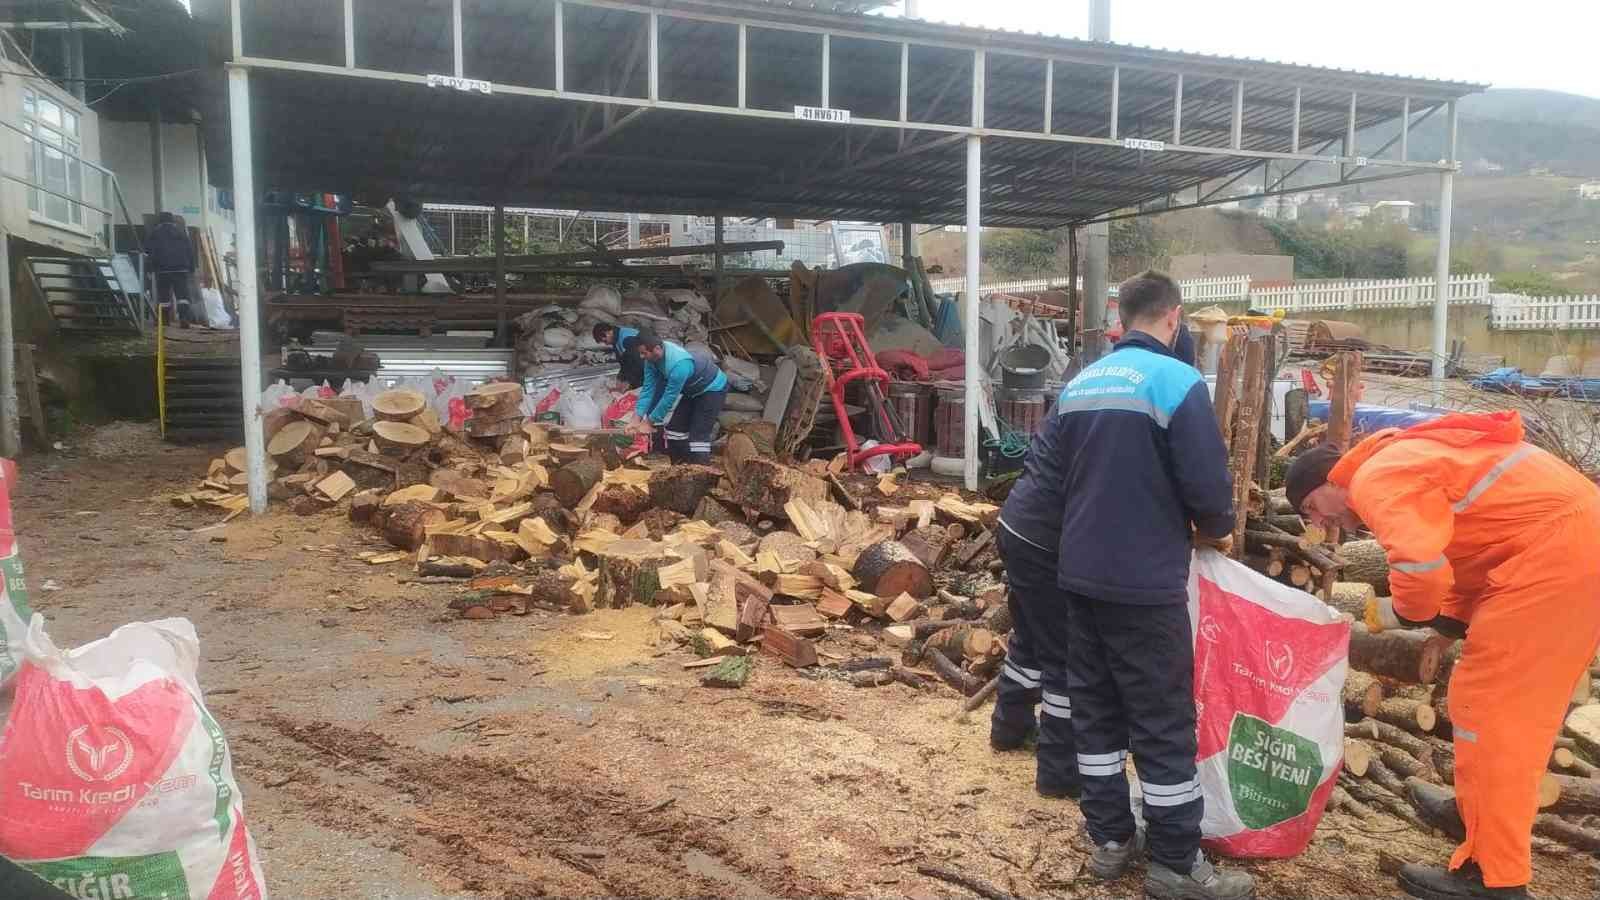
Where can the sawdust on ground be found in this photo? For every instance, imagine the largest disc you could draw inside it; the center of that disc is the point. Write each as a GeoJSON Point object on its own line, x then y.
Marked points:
{"type": "Point", "coordinates": [118, 440]}
{"type": "Point", "coordinates": [600, 642]}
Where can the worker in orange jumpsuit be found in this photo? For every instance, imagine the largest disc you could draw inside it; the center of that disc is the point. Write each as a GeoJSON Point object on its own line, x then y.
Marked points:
{"type": "Point", "coordinates": [1491, 536]}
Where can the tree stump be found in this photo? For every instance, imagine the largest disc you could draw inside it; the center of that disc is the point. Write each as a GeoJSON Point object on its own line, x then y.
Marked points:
{"type": "Point", "coordinates": [681, 488]}
{"type": "Point", "coordinates": [1362, 694]}
{"type": "Point", "coordinates": [398, 438]}
{"type": "Point", "coordinates": [888, 569]}
{"type": "Point", "coordinates": [1402, 655]}
{"type": "Point", "coordinates": [364, 505]}
{"type": "Point", "coordinates": [628, 573]}
{"type": "Point", "coordinates": [1368, 563]}
{"type": "Point", "coordinates": [964, 642]}
{"type": "Point", "coordinates": [1351, 598]}
{"type": "Point", "coordinates": [405, 525]}
{"type": "Point", "coordinates": [572, 481]}
{"type": "Point", "coordinates": [766, 486]}
{"type": "Point", "coordinates": [624, 501]}
{"type": "Point", "coordinates": [397, 405]}
{"type": "Point", "coordinates": [295, 442]}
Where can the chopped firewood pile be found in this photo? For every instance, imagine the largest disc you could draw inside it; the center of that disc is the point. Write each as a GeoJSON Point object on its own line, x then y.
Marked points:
{"type": "Point", "coordinates": [753, 555]}
{"type": "Point", "coordinates": [1396, 694]}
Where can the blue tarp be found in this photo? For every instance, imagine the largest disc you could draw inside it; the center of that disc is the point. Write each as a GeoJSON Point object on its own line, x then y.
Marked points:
{"type": "Point", "coordinates": [1369, 417]}
{"type": "Point", "coordinates": [1509, 380]}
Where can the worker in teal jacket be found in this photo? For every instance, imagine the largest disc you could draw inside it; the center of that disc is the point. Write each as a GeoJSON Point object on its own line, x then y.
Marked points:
{"type": "Point", "coordinates": [683, 391]}
{"type": "Point", "coordinates": [624, 342]}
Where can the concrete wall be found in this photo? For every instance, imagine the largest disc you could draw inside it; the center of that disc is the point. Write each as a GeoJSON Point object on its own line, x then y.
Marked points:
{"type": "Point", "coordinates": [126, 146]}
{"type": "Point", "coordinates": [1411, 328]}
{"type": "Point", "coordinates": [1261, 267]}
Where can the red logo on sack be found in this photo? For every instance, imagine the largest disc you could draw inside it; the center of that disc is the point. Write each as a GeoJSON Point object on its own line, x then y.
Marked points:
{"type": "Point", "coordinates": [98, 752]}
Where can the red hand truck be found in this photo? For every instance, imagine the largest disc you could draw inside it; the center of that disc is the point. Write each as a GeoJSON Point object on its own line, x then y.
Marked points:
{"type": "Point", "coordinates": [842, 347]}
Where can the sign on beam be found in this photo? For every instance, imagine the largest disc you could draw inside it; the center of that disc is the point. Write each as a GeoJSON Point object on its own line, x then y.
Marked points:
{"type": "Point", "coordinates": [822, 114]}
{"type": "Point", "coordinates": [1142, 144]}
{"type": "Point", "coordinates": [460, 84]}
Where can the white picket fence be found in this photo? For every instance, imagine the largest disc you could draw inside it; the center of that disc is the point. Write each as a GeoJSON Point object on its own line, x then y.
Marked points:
{"type": "Point", "coordinates": [1518, 313]}
{"type": "Point", "coordinates": [1379, 293]}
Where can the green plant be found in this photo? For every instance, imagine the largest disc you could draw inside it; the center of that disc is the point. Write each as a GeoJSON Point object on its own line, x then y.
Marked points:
{"type": "Point", "coordinates": [1534, 284]}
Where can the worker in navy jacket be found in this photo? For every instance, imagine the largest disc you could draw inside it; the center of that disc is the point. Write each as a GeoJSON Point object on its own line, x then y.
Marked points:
{"type": "Point", "coordinates": [1144, 474]}
{"type": "Point", "coordinates": [683, 391]}
{"type": "Point", "coordinates": [1035, 671]}
{"type": "Point", "coordinates": [624, 342]}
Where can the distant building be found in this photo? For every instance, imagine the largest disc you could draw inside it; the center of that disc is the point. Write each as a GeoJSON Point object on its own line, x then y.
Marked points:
{"type": "Point", "coordinates": [1393, 211]}
{"type": "Point", "coordinates": [1589, 190]}
{"type": "Point", "coordinates": [1487, 167]}
{"type": "Point", "coordinates": [1358, 210]}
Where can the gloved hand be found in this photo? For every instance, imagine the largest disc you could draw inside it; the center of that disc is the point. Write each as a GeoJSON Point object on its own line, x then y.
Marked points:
{"type": "Point", "coordinates": [1380, 615]}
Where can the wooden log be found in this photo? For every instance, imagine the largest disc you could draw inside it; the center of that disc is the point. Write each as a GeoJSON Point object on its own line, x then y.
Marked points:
{"type": "Point", "coordinates": [1377, 797]}
{"type": "Point", "coordinates": [931, 544]}
{"type": "Point", "coordinates": [457, 485]}
{"type": "Point", "coordinates": [1566, 761]}
{"type": "Point", "coordinates": [1351, 598]}
{"type": "Point", "coordinates": [1385, 777]}
{"type": "Point", "coordinates": [963, 642]}
{"type": "Point", "coordinates": [295, 442]}
{"type": "Point", "coordinates": [397, 405]}
{"type": "Point", "coordinates": [834, 604]}
{"type": "Point", "coordinates": [476, 546]}
{"type": "Point", "coordinates": [1288, 524]}
{"type": "Point", "coordinates": [1366, 562]}
{"type": "Point", "coordinates": [1358, 756]}
{"type": "Point", "coordinates": [766, 486]}
{"type": "Point", "coordinates": [966, 880]}
{"type": "Point", "coordinates": [1401, 762]}
{"type": "Point", "coordinates": [624, 501]}
{"type": "Point", "coordinates": [952, 673]}
{"type": "Point", "coordinates": [1574, 795]}
{"type": "Point", "coordinates": [903, 609]}
{"type": "Point", "coordinates": [795, 651]}
{"type": "Point", "coordinates": [1362, 694]}
{"type": "Point", "coordinates": [1575, 836]}
{"type": "Point", "coordinates": [480, 426]}
{"type": "Point", "coordinates": [628, 573]}
{"type": "Point", "coordinates": [1258, 539]}
{"type": "Point", "coordinates": [1414, 716]}
{"type": "Point", "coordinates": [1583, 727]}
{"type": "Point", "coordinates": [1389, 734]}
{"type": "Point", "coordinates": [451, 566]}
{"type": "Point", "coordinates": [399, 438]}
{"type": "Point", "coordinates": [364, 505]}
{"type": "Point", "coordinates": [1442, 726]}
{"type": "Point", "coordinates": [428, 421]}
{"type": "Point", "coordinates": [1249, 408]}
{"type": "Point", "coordinates": [681, 488]}
{"type": "Point", "coordinates": [405, 525]}
{"type": "Point", "coordinates": [573, 481]}
{"type": "Point", "coordinates": [787, 546]}
{"type": "Point", "coordinates": [499, 399]}
{"type": "Point", "coordinates": [1444, 760]}
{"type": "Point", "coordinates": [1402, 655]}
{"type": "Point", "coordinates": [889, 569]}
{"type": "Point", "coordinates": [1299, 575]}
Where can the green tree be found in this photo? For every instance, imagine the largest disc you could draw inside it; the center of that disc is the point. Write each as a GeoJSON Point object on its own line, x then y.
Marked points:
{"type": "Point", "coordinates": [1533, 284]}
{"type": "Point", "coordinates": [1021, 251]}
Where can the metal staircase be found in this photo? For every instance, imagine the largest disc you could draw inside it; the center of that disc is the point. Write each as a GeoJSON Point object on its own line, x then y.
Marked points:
{"type": "Point", "coordinates": [84, 294]}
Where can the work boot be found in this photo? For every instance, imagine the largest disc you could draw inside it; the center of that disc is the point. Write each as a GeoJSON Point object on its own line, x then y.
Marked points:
{"type": "Point", "coordinates": [1437, 806]}
{"type": "Point", "coordinates": [1203, 881]}
{"type": "Point", "coordinates": [1004, 740]}
{"type": "Point", "coordinates": [1068, 790]}
{"type": "Point", "coordinates": [1465, 883]}
{"type": "Point", "coordinates": [1113, 859]}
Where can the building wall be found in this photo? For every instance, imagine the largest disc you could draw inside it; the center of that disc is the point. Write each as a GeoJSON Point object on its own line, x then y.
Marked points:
{"type": "Point", "coordinates": [1261, 267]}
{"type": "Point", "coordinates": [18, 219]}
{"type": "Point", "coordinates": [127, 150]}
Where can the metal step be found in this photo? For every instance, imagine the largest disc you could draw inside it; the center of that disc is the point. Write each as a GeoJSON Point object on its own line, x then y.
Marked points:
{"type": "Point", "coordinates": [85, 298]}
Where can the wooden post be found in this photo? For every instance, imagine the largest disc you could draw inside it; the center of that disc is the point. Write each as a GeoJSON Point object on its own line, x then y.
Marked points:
{"type": "Point", "coordinates": [1246, 433]}
{"type": "Point", "coordinates": [1263, 463]}
{"type": "Point", "coordinates": [1344, 389]}
{"type": "Point", "coordinates": [1227, 373]}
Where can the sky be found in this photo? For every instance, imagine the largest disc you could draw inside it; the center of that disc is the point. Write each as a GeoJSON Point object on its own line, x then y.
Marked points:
{"type": "Point", "coordinates": [1548, 44]}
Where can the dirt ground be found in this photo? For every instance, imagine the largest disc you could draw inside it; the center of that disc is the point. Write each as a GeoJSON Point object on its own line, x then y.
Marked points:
{"type": "Point", "coordinates": [388, 749]}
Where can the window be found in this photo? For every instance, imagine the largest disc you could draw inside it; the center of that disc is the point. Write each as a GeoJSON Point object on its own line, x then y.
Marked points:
{"type": "Point", "coordinates": [52, 158]}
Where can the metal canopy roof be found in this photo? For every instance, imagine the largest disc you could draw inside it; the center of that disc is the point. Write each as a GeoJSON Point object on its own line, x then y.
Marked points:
{"type": "Point", "coordinates": [688, 106]}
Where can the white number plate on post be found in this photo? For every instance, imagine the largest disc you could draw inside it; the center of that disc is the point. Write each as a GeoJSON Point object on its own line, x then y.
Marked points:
{"type": "Point", "coordinates": [1141, 144]}
{"type": "Point", "coordinates": [822, 114]}
{"type": "Point", "coordinates": [460, 84]}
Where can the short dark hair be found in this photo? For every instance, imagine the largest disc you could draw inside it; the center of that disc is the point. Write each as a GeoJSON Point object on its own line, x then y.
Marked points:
{"type": "Point", "coordinates": [1146, 296]}
{"type": "Point", "coordinates": [600, 329]}
{"type": "Point", "coordinates": [648, 339]}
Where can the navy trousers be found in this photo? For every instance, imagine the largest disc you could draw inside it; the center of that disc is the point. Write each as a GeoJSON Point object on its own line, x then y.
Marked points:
{"type": "Point", "coordinates": [691, 426]}
{"type": "Point", "coordinates": [1035, 670]}
{"type": "Point", "coordinates": [1130, 670]}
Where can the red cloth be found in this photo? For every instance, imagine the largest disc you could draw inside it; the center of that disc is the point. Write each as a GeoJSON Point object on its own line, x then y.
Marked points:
{"type": "Point", "coordinates": [946, 358]}
{"type": "Point", "coordinates": [903, 365]}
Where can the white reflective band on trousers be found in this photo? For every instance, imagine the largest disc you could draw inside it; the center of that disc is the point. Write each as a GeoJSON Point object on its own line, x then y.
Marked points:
{"type": "Point", "coordinates": [1028, 678]}
{"type": "Point", "coordinates": [677, 435]}
{"type": "Point", "coordinates": [1169, 794]}
{"type": "Point", "coordinates": [1417, 568]}
{"type": "Point", "coordinates": [1058, 705]}
{"type": "Point", "coordinates": [1491, 476]}
{"type": "Point", "coordinates": [1102, 764]}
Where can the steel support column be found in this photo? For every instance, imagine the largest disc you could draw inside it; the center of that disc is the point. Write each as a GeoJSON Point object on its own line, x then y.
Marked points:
{"type": "Point", "coordinates": [1097, 236]}
{"type": "Point", "coordinates": [1441, 275]}
{"type": "Point", "coordinates": [10, 419]}
{"type": "Point", "coordinates": [244, 224]}
{"type": "Point", "coordinates": [908, 245]}
{"type": "Point", "coordinates": [971, 312]}
{"type": "Point", "coordinates": [497, 221]}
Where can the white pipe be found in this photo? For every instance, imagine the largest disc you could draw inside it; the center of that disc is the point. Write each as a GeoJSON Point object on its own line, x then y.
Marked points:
{"type": "Point", "coordinates": [10, 419]}
{"type": "Point", "coordinates": [1441, 274]}
{"type": "Point", "coordinates": [971, 314]}
{"type": "Point", "coordinates": [244, 225]}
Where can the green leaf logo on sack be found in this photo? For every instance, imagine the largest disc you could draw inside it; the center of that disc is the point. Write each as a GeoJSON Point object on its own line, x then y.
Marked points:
{"type": "Point", "coordinates": [1272, 772]}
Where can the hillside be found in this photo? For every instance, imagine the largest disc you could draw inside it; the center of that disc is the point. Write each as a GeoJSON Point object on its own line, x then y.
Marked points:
{"type": "Point", "coordinates": [1516, 129]}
